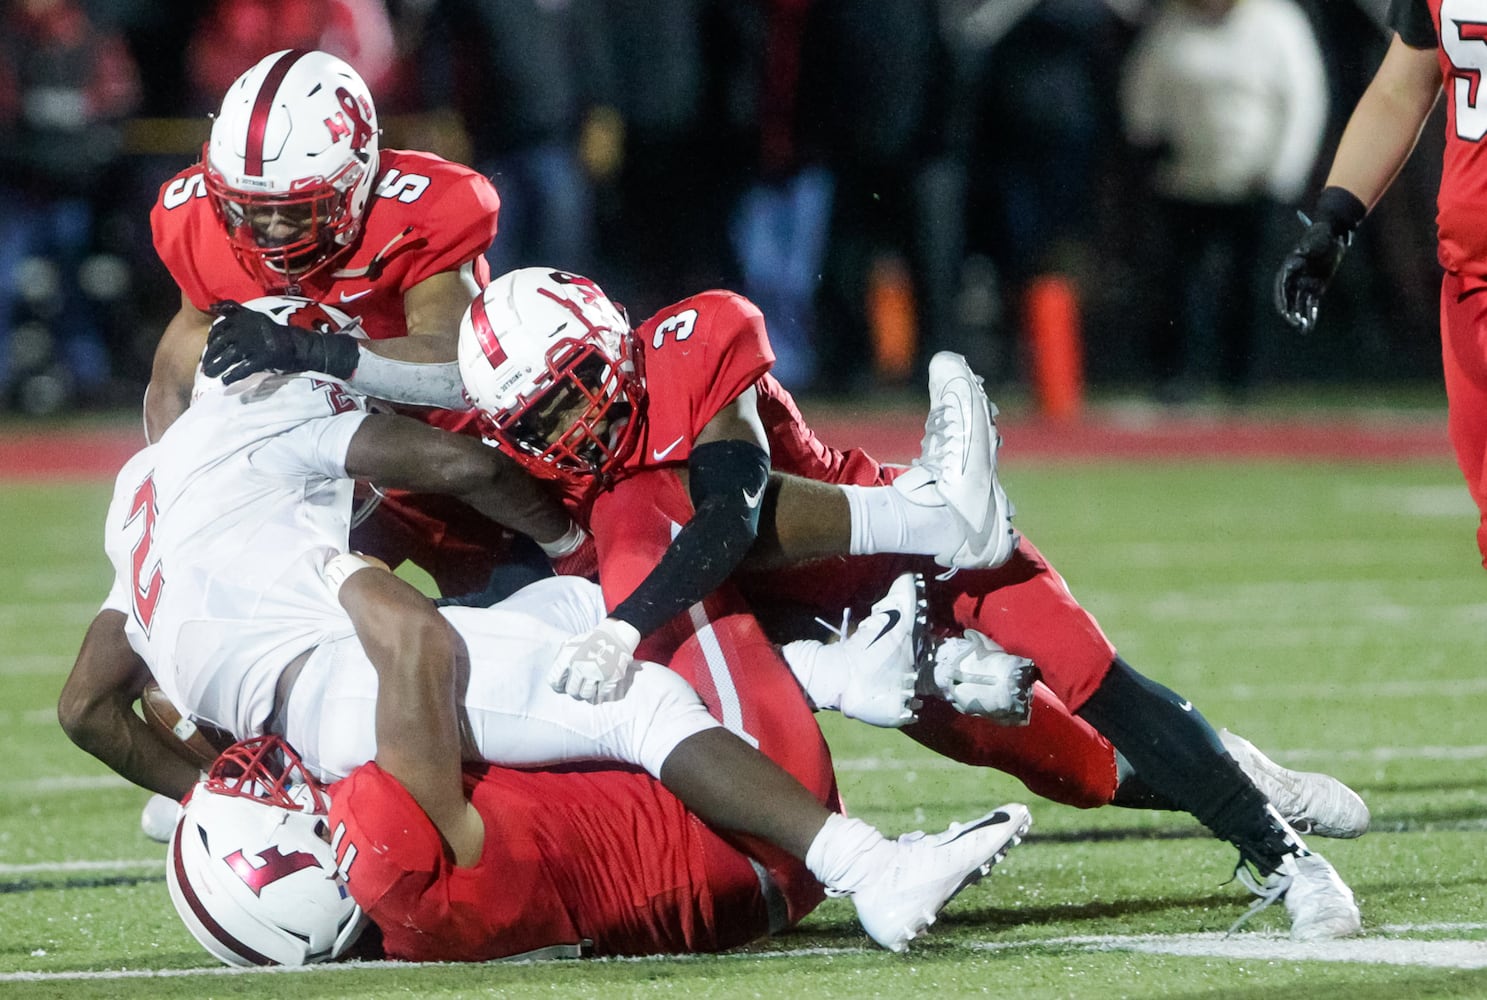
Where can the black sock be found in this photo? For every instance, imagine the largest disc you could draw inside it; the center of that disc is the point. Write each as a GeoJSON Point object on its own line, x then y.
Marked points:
{"type": "Point", "coordinates": [1179, 759]}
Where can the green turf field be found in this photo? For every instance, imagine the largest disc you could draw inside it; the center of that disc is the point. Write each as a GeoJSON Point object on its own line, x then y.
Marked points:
{"type": "Point", "coordinates": [1333, 614]}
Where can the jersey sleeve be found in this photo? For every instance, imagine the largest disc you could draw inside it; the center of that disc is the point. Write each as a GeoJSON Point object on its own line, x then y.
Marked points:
{"type": "Point", "coordinates": [118, 597]}
{"type": "Point", "coordinates": [387, 848]}
{"type": "Point", "coordinates": [701, 354]}
{"type": "Point", "coordinates": [1411, 18]}
{"type": "Point", "coordinates": [464, 215]}
{"type": "Point", "coordinates": [316, 447]}
{"type": "Point", "coordinates": [739, 347]}
{"type": "Point", "coordinates": [172, 226]}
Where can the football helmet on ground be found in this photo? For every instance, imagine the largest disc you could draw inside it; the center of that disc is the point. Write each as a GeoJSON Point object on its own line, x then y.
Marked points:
{"type": "Point", "coordinates": [551, 364]}
{"type": "Point", "coordinates": [291, 162]}
{"type": "Point", "coordinates": [251, 870]}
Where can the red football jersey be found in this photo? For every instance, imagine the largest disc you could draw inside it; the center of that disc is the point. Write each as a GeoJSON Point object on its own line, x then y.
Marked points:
{"type": "Point", "coordinates": [1462, 201]}
{"type": "Point", "coordinates": [448, 212]}
{"type": "Point", "coordinates": [607, 856]}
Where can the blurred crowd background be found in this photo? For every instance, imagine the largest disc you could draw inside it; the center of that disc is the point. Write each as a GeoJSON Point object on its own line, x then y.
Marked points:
{"type": "Point", "coordinates": [1063, 190]}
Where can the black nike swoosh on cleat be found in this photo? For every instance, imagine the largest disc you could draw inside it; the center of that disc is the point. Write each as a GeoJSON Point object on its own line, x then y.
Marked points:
{"type": "Point", "coordinates": [893, 617]}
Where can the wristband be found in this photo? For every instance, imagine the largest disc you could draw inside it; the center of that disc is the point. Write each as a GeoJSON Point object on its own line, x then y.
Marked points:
{"type": "Point", "coordinates": [566, 544]}
{"type": "Point", "coordinates": [1340, 209]}
{"type": "Point", "coordinates": [340, 569]}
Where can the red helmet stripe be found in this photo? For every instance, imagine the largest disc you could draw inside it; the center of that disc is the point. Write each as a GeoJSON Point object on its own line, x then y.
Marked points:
{"type": "Point", "coordinates": [485, 333]}
{"type": "Point", "coordinates": [262, 105]}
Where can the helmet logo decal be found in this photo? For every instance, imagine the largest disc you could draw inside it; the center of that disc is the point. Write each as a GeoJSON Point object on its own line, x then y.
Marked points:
{"type": "Point", "coordinates": [587, 290]}
{"type": "Point", "coordinates": [485, 334]}
{"type": "Point", "coordinates": [275, 866]}
{"type": "Point", "coordinates": [262, 105]}
{"type": "Point", "coordinates": [359, 128]}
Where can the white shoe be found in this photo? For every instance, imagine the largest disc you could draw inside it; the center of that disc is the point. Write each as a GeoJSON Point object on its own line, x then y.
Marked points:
{"type": "Point", "coordinates": [159, 818]}
{"type": "Point", "coordinates": [926, 871]}
{"type": "Point", "coordinates": [1321, 906]}
{"type": "Point", "coordinates": [1309, 801]}
{"type": "Point", "coordinates": [957, 466]}
{"type": "Point", "coordinates": [1319, 902]}
{"type": "Point", "coordinates": [978, 677]}
{"type": "Point", "coordinates": [883, 656]}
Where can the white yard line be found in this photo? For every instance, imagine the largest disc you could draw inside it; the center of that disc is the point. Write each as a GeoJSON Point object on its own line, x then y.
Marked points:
{"type": "Point", "coordinates": [64, 867]}
{"type": "Point", "coordinates": [1371, 949]}
{"type": "Point", "coordinates": [1451, 954]}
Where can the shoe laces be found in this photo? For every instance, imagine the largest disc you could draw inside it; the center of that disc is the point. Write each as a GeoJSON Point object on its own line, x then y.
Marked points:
{"type": "Point", "coordinates": [935, 440]}
{"type": "Point", "coordinates": [838, 632]}
{"type": "Point", "coordinates": [1268, 887]}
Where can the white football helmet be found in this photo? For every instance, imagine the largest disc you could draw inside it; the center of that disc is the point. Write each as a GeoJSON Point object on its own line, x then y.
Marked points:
{"type": "Point", "coordinates": [251, 871]}
{"type": "Point", "coordinates": [291, 162]}
{"type": "Point", "coordinates": [551, 364]}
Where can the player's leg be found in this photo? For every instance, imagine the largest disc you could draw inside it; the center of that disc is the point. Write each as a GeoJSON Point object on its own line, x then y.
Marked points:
{"type": "Point", "coordinates": [1027, 608]}
{"type": "Point", "coordinates": [1464, 356]}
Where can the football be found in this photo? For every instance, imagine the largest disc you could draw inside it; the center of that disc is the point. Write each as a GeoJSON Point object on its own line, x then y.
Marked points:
{"type": "Point", "coordinates": [198, 744]}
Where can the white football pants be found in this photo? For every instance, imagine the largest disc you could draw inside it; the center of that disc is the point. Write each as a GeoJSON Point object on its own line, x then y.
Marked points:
{"type": "Point", "coordinates": [515, 717]}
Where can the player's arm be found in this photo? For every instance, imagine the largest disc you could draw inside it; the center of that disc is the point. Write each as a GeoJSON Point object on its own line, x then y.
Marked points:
{"type": "Point", "coordinates": [726, 476]}
{"type": "Point", "coordinates": [1379, 137]}
{"type": "Point", "coordinates": [1385, 125]}
{"type": "Point", "coordinates": [403, 454]}
{"type": "Point", "coordinates": [96, 710]}
{"type": "Point", "coordinates": [174, 369]}
{"type": "Point", "coordinates": [421, 369]}
{"type": "Point", "coordinates": [419, 660]}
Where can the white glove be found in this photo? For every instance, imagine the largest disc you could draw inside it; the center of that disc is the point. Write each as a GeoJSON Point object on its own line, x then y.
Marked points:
{"type": "Point", "coordinates": [594, 667]}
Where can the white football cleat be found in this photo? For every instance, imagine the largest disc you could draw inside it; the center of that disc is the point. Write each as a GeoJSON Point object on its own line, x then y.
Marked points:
{"type": "Point", "coordinates": [159, 818]}
{"type": "Point", "coordinates": [1309, 801]}
{"type": "Point", "coordinates": [957, 466]}
{"type": "Point", "coordinates": [978, 677]}
{"type": "Point", "coordinates": [926, 871]}
{"type": "Point", "coordinates": [1319, 902]}
{"type": "Point", "coordinates": [883, 656]}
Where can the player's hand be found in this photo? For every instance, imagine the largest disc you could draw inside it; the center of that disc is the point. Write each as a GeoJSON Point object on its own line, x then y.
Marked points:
{"type": "Point", "coordinates": [1305, 273]}
{"type": "Point", "coordinates": [1307, 270]}
{"type": "Point", "coordinates": [243, 341]}
{"type": "Point", "coordinates": [595, 667]}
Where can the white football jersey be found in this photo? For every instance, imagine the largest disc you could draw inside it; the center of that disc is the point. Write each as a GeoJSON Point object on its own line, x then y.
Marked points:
{"type": "Point", "coordinates": [218, 534]}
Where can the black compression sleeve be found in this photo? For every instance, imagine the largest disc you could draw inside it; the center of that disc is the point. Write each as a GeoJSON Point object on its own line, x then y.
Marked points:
{"type": "Point", "coordinates": [727, 480]}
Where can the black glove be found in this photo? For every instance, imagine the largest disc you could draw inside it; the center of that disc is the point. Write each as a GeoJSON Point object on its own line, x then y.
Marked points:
{"type": "Point", "coordinates": [244, 341]}
{"type": "Point", "coordinates": [1306, 271]}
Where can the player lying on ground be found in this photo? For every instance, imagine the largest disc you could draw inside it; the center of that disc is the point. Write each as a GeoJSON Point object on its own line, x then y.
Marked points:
{"type": "Point", "coordinates": [460, 864]}
{"type": "Point", "coordinates": [219, 534]}
{"type": "Point", "coordinates": [667, 434]}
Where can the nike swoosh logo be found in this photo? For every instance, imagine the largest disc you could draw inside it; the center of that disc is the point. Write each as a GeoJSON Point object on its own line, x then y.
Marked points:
{"type": "Point", "coordinates": [893, 617]}
{"type": "Point", "coordinates": [658, 454]}
{"type": "Point", "coordinates": [965, 422]}
{"type": "Point", "coordinates": [355, 295]}
{"type": "Point", "coordinates": [1186, 706]}
{"type": "Point", "coordinates": [752, 500]}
